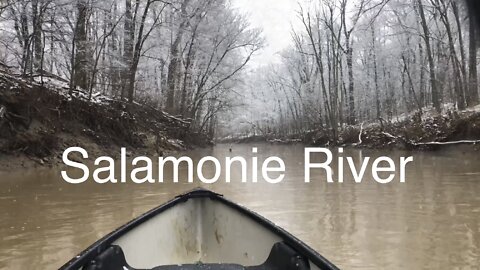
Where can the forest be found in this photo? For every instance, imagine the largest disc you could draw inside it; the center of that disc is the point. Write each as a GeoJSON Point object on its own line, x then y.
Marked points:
{"type": "Point", "coordinates": [180, 72]}
{"type": "Point", "coordinates": [139, 73]}
{"type": "Point", "coordinates": [395, 68]}
{"type": "Point", "coordinates": [183, 56]}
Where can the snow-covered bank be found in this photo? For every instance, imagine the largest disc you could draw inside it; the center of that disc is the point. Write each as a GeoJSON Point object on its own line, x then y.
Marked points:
{"type": "Point", "coordinates": [429, 131]}
{"type": "Point", "coordinates": [38, 121]}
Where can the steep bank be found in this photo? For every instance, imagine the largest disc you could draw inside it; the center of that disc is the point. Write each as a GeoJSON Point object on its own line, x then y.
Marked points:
{"type": "Point", "coordinates": [38, 121]}
{"type": "Point", "coordinates": [429, 131]}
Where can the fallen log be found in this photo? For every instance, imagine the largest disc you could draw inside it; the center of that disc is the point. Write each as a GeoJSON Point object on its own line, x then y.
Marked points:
{"type": "Point", "coordinates": [432, 143]}
{"type": "Point", "coordinates": [390, 136]}
{"type": "Point", "coordinates": [447, 143]}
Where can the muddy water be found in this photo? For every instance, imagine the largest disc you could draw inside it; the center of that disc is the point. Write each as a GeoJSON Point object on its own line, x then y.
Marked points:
{"type": "Point", "coordinates": [431, 222]}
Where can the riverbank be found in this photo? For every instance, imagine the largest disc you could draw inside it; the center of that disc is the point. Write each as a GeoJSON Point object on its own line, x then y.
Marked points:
{"type": "Point", "coordinates": [429, 131]}
{"type": "Point", "coordinates": [39, 120]}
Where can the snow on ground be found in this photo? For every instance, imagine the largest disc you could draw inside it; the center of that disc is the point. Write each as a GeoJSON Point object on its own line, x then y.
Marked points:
{"type": "Point", "coordinates": [62, 87]}
{"type": "Point", "coordinates": [474, 109]}
{"type": "Point", "coordinates": [179, 144]}
{"type": "Point", "coordinates": [57, 84]}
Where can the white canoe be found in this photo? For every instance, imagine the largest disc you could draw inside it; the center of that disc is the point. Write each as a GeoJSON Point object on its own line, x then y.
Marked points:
{"type": "Point", "coordinates": [199, 230]}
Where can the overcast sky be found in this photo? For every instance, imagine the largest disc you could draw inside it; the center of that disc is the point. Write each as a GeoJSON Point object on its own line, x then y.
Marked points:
{"type": "Point", "coordinates": [275, 18]}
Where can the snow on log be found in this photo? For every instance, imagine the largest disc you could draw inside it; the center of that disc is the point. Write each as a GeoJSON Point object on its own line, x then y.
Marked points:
{"type": "Point", "coordinates": [448, 143]}
{"type": "Point", "coordinates": [389, 135]}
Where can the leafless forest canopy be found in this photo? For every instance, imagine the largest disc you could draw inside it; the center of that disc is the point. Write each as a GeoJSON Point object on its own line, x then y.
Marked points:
{"type": "Point", "coordinates": [363, 61]}
{"type": "Point", "coordinates": [183, 56]}
{"type": "Point", "coordinates": [350, 62]}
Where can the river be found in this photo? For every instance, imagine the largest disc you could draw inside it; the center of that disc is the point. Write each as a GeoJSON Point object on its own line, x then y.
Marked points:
{"type": "Point", "coordinates": [430, 222]}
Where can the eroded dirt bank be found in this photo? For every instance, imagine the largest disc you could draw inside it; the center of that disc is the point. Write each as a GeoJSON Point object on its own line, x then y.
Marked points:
{"type": "Point", "coordinates": [38, 121]}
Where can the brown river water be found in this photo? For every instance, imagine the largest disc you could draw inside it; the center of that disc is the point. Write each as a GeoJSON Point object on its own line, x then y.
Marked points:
{"type": "Point", "coordinates": [430, 222]}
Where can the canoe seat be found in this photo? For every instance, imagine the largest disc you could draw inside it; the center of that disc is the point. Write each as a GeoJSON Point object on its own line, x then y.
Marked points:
{"type": "Point", "coordinates": [282, 257]}
{"type": "Point", "coordinates": [111, 258]}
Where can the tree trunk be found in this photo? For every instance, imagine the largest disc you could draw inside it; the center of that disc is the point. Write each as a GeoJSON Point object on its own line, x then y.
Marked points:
{"type": "Point", "coordinates": [21, 27]}
{"type": "Point", "coordinates": [436, 97]}
{"type": "Point", "coordinates": [141, 37]}
{"type": "Point", "coordinates": [473, 98]}
{"type": "Point", "coordinates": [457, 80]}
{"type": "Point", "coordinates": [81, 55]}
{"type": "Point", "coordinates": [463, 65]}
{"type": "Point", "coordinates": [377, 90]}
{"type": "Point", "coordinates": [351, 86]}
{"type": "Point", "coordinates": [113, 50]}
{"type": "Point", "coordinates": [129, 36]}
{"type": "Point", "coordinates": [174, 66]}
{"type": "Point", "coordinates": [37, 34]}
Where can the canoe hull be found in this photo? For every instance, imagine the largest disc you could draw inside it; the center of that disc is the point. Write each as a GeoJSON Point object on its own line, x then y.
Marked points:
{"type": "Point", "coordinates": [199, 226]}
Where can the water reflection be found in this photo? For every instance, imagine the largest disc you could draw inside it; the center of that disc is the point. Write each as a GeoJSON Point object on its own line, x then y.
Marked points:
{"type": "Point", "coordinates": [431, 222]}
